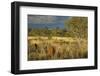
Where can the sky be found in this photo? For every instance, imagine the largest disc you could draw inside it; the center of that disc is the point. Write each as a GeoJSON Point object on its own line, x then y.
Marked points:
{"type": "Point", "coordinates": [42, 21]}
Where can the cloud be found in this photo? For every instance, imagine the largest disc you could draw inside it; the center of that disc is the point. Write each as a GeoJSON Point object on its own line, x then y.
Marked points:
{"type": "Point", "coordinates": [41, 19]}
{"type": "Point", "coordinates": [45, 19]}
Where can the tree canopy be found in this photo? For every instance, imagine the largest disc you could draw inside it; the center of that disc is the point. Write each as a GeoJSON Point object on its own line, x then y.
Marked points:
{"type": "Point", "coordinates": [78, 26]}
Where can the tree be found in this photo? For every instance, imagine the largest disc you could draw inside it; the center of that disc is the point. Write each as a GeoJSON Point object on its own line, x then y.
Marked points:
{"type": "Point", "coordinates": [78, 26]}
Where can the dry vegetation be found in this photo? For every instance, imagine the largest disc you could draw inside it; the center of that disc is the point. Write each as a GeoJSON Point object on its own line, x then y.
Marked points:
{"type": "Point", "coordinates": [68, 43]}
{"type": "Point", "coordinates": [42, 48]}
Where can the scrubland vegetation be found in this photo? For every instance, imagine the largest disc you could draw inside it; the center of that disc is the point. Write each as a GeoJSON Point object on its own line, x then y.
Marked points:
{"type": "Point", "coordinates": [68, 43]}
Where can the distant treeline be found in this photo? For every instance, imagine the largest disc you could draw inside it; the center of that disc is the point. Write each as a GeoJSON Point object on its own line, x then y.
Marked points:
{"type": "Point", "coordinates": [48, 32]}
{"type": "Point", "coordinates": [74, 27]}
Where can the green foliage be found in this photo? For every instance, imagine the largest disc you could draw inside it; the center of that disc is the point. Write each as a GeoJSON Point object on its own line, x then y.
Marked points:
{"type": "Point", "coordinates": [48, 32]}
{"type": "Point", "coordinates": [78, 26]}
{"type": "Point", "coordinates": [70, 43]}
{"type": "Point", "coordinates": [74, 27]}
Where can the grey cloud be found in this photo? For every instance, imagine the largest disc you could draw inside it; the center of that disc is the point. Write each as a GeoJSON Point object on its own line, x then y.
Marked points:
{"type": "Point", "coordinates": [41, 19]}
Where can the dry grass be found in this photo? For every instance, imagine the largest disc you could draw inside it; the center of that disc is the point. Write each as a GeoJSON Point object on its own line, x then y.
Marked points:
{"type": "Point", "coordinates": [42, 48]}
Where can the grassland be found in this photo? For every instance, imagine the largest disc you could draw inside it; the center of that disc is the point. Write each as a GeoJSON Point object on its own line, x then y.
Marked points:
{"type": "Point", "coordinates": [43, 48]}
{"type": "Point", "coordinates": [69, 42]}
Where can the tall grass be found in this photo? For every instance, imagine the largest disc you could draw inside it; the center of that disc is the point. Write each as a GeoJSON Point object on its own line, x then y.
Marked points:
{"type": "Point", "coordinates": [49, 49]}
